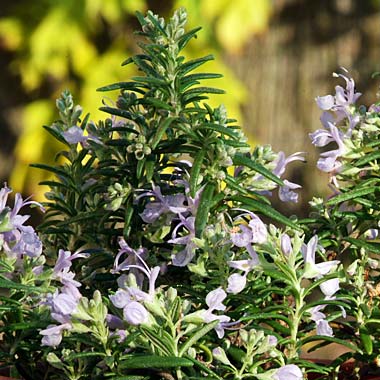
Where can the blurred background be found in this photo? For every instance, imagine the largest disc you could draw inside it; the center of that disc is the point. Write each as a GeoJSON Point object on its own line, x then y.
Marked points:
{"type": "Point", "coordinates": [276, 57]}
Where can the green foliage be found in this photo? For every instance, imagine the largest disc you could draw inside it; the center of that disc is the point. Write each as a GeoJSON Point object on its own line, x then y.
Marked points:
{"type": "Point", "coordinates": [48, 63]}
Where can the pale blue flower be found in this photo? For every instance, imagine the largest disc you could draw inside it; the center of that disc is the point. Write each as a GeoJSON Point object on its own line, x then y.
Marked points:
{"type": "Point", "coordinates": [135, 313]}
{"type": "Point", "coordinates": [74, 135]}
{"type": "Point", "coordinates": [61, 270]}
{"type": "Point", "coordinates": [286, 194]}
{"type": "Point", "coordinates": [323, 328]}
{"type": "Point", "coordinates": [321, 137]}
{"type": "Point", "coordinates": [185, 256]}
{"type": "Point", "coordinates": [52, 335]}
{"type": "Point", "coordinates": [286, 245]}
{"type": "Point", "coordinates": [255, 232]}
{"type": "Point", "coordinates": [325, 102]}
{"type": "Point", "coordinates": [313, 270]}
{"type": "Point", "coordinates": [248, 264]}
{"type": "Point", "coordinates": [329, 160]}
{"type": "Point", "coordinates": [163, 204]}
{"type": "Point", "coordinates": [214, 301]}
{"type": "Point", "coordinates": [133, 257]}
{"type": "Point", "coordinates": [330, 287]}
{"type": "Point", "coordinates": [288, 372]}
{"type": "Point", "coordinates": [236, 283]}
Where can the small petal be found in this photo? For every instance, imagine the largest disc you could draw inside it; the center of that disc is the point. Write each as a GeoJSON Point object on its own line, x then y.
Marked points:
{"type": "Point", "coordinates": [286, 245]}
{"type": "Point", "coordinates": [215, 298]}
{"type": "Point", "coordinates": [330, 287]}
{"type": "Point", "coordinates": [135, 313]}
{"type": "Point", "coordinates": [288, 372]}
{"type": "Point", "coordinates": [323, 328]}
{"type": "Point", "coordinates": [74, 135]}
{"type": "Point", "coordinates": [325, 103]}
{"type": "Point", "coordinates": [236, 283]}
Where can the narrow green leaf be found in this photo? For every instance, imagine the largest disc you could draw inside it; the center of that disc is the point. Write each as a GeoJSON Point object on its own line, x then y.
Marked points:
{"type": "Point", "coordinates": [218, 128]}
{"type": "Point", "coordinates": [131, 86]}
{"type": "Point", "coordinates": [130, 377]}
{"type": "Point", "coordinates": [159, 82]}
{"type": "Point", "coordinates": [30, 325]}
{"type": "Point", "coordinates": [200, 76]}
{"type": "Point", "coordinates": [254, 205]}
{"type": "Point", "coordinates": [56, 170]}
{"type": "Point", "coordinates": [196, 336]}
{"type": "Point", "coordinates": [79, 355]}
{"type": "Point", "coordinates": [140, 168]}
{"type": "Point", "coordinates": [266, 316]}
{"type": "Point", "coordinates": [8, 284]}
{"type": "Point", "coordinates": [204, 208]}
{"type": "Point", "coordinates": [195, 171]}
{"type": "Point", "coordinates": [350, 195]}
{"type": "Point", "coordinates": [185, 38]}
{"type": "Point", "coordinates": [193, 64]}
{"type": "Point", "coordinates": [202, 90]}
{"type": "Point", "coordinates": [161, 130]}
{"type": "Point", "coordinates": [365, 338]}
{"type": "Point", "coordinates": [144, 66]}
{"type": "Point", "coordinates": [204, 368]}
{"type": "Point", "coordinates": [57, 135]}
{"type": "Point", "coordinates": [153, 361]}
{"type": "Point", "coordinates": [241, 160]}
{"type": "Point", "coordinates": [150, 165]}
{"type": "Point", "coordinates": [117, 112]}
{"type": "Point", "coordinates": [156, 103]}
{"type": "Point", "coordinates": [368, 158]}
{"type": "Point", "coordinates": [369, 246]}
{"type": "Point", "coordinates": [165, 346]}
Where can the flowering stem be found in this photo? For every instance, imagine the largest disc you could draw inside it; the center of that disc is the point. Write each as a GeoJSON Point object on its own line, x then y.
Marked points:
{"type": "Point", "coordinates": [296, 317]}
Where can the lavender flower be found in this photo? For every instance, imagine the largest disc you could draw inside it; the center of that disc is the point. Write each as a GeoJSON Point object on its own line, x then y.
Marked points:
{"type": "Point", "coordinates": [313, 270]}
{"type": "Point", "coordinates": [52, 335]}
{"type": "Point", "coordinates": [131, 298]}
{"type": "Point", "coordinates": [328, 162]}
{"type": "Point", "coordinates": [163, 204]}
{"type": "Point", "coordinates": [322, 326]}
{"type": "Point", "coordinates": [236, 283]}
{"type": "Point", "coordinates": [288, 372]}
{"type": "Point", "coordinates": [74, 135]}
{"type": "Point", "coordinates": [135, 313]}
{"type": "Point", "coordinates": [255, 232]}
{"type": "Point", "coordinates": [185, 256]}
{"type": "Point", "coordinates": [286, 245]}
{"type": "Point", "coordinates": [214, 301]}
{"type": "Point", "coordinates": [285, 192]}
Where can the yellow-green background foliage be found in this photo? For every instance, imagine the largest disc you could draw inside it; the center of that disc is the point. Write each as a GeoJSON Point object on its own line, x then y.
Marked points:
{"type": "Point", "coordinates": [80, 44]}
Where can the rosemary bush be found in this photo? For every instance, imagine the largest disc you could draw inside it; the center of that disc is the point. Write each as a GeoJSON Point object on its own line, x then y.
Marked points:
{"type": "Point", "coordinates": [160, 255]}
